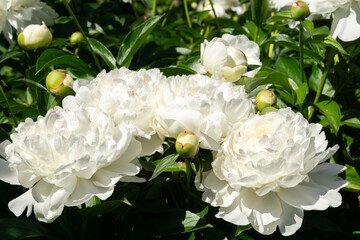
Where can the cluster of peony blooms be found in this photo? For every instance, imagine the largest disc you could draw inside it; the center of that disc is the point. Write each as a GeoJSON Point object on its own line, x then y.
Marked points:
{"type": "Point", "coordinates": [266, 169]}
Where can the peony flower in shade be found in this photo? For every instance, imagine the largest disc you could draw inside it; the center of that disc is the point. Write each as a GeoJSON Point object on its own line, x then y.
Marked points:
{"type": "Point", "coordinates": [345, 15]}
{"type": "Point", "coordinates": [35, 36]}
{"type": "Point", "coordinates": [228, 57]}
{"type": "Point", "coordinates": [202, 105]}
{"type": "Point", "coordinates": [59, 83]}
{"type": "Point", "coordinates": [270, 169]}
{"type": "Point", "coordinates": [128, 97]}
{"type": "Point", "coordinates": [220, 7]}
{"type": "Point", "coordinates": [66, 158]}
{"type": "Point", "coordinates": [20, 13]}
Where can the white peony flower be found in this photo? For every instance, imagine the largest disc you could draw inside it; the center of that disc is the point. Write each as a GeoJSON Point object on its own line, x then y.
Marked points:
{"type": "Point", "coordinates": [220, 7]}
{"type": "Point", "coordinates": [66, 158]}
{"type": "Point", "coordinates": [20, 13]}
{"type": "Point", "coordinates": [345, 13]}
{"type": "Point", "coordinates": [270, 170]}
{"type": "Point", "coordinates": [128, 97]}
{"type": "Point", "coordinates": [228, 57]}
{"type": "Point", "coordinates": [201, 105]}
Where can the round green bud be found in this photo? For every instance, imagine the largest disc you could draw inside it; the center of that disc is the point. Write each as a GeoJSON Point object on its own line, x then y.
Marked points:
{"type": "Point", "coordinates": [299, 10]}
{"type": "Point", "coordinates": [35, 36]}
{"type": "Point", "coordinates": [59, 83]}
{"type": "Point", "coordinates": [76, 37]}
{"type": "Point", "coordinates": [187, 144]}
{"type": "Point", "coordinates": [268, 110]}
{"type": "Point", "coordinates": [265, 98]}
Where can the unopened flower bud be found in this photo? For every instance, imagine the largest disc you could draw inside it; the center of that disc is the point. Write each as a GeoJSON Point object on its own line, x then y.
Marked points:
{"type": "Point", "coordinates": [35, 36]}
{"type": "Point", "coordinates": [299, 10]}
{"type": "Point", "coordinates": [265, 98]}
{"type": "Point", "coordinates": [187, 144]}
{"type": "Point", "coordinates": [59, 83]}
{"type": "Point", "coordinates": [76, 37]}
{"type": "Point", "coordinates": [193, 5]}
{"type": "Point", "coordinates": [268, 110]}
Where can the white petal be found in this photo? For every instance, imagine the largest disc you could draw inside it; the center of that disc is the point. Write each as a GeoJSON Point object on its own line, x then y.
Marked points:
{"type": "Point", "coordinates": [346, 23]}
{"type": "Point", "coordinates": [233, 214]}
{"type": "Point", "coordinates": [85, 190]}
{"type": "Point", "coordinates": [18, 205]}
{"type": "Point", "coordinates": [150, 146]}
{"type": "Point", "coordinates": [264, 212]}
{"type": "Point", "coordinates": [6, 174]}
{"type": "Point", "coordinates": [290, 220]}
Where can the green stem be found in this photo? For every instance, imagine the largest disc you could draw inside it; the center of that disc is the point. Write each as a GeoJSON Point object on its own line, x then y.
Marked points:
{"type": "Point", "coordinates": [322, 82]}
{"type": "Point", "coordinates": [188, 177]}
{"type": "Point", "coordinates": [154, 8]}
{"type": "Point", "coordinates": [168, 13]}
{"type": "Point", "coordinates": [83, 33]}
{"type": "Point", "coordinates": [216, 19]}
{"type": "Point", "coordinates": [187, 14]}
{"type": "Point", "coordinates": [8, 105]}
{"type": "Point", "coordinates": [301, 50]}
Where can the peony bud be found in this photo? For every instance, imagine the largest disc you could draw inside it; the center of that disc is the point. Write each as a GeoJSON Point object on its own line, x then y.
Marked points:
{"type": "Point", "coordinates": [299, 10]}
{"type": "Point", "coordinates": [265, 98]}
{"type": "Point", "coordinates": [35, 36]}
{"type": "Point", "coordinates": [187, 144]}
{"type": "Point", "coordinates": [59, 83]}
{"type": "Point", "coordinates": [76, 37]}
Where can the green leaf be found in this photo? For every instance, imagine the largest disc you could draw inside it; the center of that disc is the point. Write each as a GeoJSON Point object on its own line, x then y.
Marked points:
{"type": "Point", "coordinates": [54, 57]}
{"type": "Point", "coordinates": [173, 71]}
{"type": "Point", "coordinates": [103, 52]}
{"type": "Point", "coordinates": [331, 42]}
{"type": "Point", "coordinates": [353, 178]}
{"type": "Point", "coordinates": [352, 122]}
{"type": "Point", "coordinates": [240, 229]}
{"type": "Point", "coordinates": [276, 78]}
{"type": "Point", "coordinates": [315, 79]}
{"type": "Point", "coordinates": [279, 17]}
{"type": "Point", "coordinates": [99, 209]}
{"type": "Point", "coordinates": [10, 55]}
{"type": "Point", "coordinates": [169, 222]}
{"type": "Point", "coordinates": [287, 41]}
{"type": "Point", "coordinates": [259, 10]}
{"type": "Point", "coordinates": [92, 201]}
{"type": "Point", "coordinates": [301, 93]}
{"type": "Point", "coordinates": [309, 27]}
{"type": "Point", "coordinates": [17, 228]}
{"type": "Point", "coordinates": [164, 164]}
{"type": "Point", "coordinates": [134, 40]}
{"type": "Point", "coordinates": [290, 67]}
{"type": "Point", "coordinates": [32, 83]}
{"type": "Point", "coordinates": [331, 110]}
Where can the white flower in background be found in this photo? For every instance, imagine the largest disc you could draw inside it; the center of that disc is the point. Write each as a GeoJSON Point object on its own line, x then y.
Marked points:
{"type": "Point", "coordinates": [270, 170]}
{"type": "Point", "coordinates": [20, 13]}
{"type": "Point", "coordinates": [228, 57]}
{"type": "Point", "coordinates": [345, 14]}
{"type": "Point", "coordinates": [220, 7]}
{"type": "Point", "coordinates": [128, 97]}
{"type": "Point", "coordinates": [202, 105]}
{"type": "Point", "coordinates": [66, 158]}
